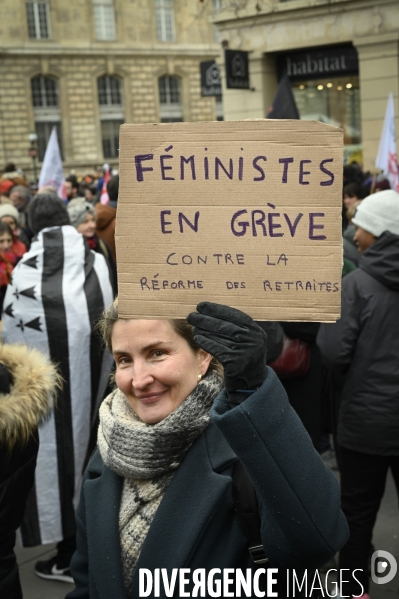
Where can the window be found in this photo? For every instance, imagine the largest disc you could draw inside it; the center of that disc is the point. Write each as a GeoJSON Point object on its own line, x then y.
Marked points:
{"type": "Point", "coordinates": [170, 99]}
{"type": "Point", "coordinates": [104, 19]}
{"type": "Point", "coordinates": [335, 100]}
{"type": "Point", "coordinates": [110, 99]}
{"type": "Point", "coordinates": [38, 20]}
{"type": "Point", "coordinates": [216, 8]}
{"type": "Point", "coordinates": [165, 20]}
{"type": "Point", "coordinates": [46, 110]}
{"type": "Point", "coordinates": [219, 108]}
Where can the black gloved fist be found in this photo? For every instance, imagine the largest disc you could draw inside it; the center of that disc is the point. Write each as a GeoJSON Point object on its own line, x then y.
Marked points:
{"type": "Point", "coordinates": [236, 341]}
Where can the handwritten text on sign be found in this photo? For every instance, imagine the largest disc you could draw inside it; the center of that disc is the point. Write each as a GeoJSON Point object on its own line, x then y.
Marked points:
{"type": "Point", "coordinates": [243, 213]}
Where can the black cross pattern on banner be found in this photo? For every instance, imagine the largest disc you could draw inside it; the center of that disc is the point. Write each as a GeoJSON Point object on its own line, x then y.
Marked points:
{"type": "Point", "coordinates": [32, 262]}
{"type": "Point", "coordinates": [29, 292]}
{"type": "Point", "coordinates": [32, 324]}
{"type": "Point", "coordinates": [9, 311]}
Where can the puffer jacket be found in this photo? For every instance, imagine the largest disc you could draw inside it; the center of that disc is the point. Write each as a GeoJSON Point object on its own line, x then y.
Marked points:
{"type": "Point", "coordinates": [364, 347]}
{"type": "Point", "coordinates": [27, 382]}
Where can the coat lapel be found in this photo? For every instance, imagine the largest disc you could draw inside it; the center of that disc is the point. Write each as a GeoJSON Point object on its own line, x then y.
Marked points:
{"type": "Point", "coordinates": [186, 507]}
{"type": "Point", "coordinates": [103, 495]}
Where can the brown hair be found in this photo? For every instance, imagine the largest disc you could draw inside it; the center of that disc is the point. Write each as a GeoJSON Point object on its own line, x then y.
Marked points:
{"type": "Point", "coordinates": [110, 316]}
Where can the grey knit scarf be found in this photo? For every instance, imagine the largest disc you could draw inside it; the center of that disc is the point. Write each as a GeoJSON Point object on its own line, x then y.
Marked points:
{"type": "Point", "coordinates": [146, 456]}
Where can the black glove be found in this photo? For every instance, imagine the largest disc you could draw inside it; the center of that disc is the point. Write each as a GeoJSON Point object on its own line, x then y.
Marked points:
{"type": "Point", "coordinates": [236, 341]}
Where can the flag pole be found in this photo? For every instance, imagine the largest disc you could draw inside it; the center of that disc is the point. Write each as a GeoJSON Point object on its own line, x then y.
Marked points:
{"type": "Point", "coordinates": [373, 182]}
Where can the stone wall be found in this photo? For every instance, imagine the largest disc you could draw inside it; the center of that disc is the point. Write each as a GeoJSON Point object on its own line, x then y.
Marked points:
{"type": "Point", "coordinates": [267, 27]}
{"type": "Point", "coordinates": [77, 59]}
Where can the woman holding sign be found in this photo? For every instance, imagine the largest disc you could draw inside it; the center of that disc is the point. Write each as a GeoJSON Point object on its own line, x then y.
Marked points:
{"type": "Point", "coordinates": [157, 515]}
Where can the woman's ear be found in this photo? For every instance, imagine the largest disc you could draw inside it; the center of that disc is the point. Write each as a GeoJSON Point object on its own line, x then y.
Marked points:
{"type": "Point", "coordinates": [204, 359]}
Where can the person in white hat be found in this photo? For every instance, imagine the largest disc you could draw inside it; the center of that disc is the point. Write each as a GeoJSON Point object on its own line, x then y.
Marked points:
{"type": "Point", "coordinates": [362, 348]}
{"type": "Point", "coordinates": [375, 215]}
{"type": "Point", "coordinates": [9, 215]}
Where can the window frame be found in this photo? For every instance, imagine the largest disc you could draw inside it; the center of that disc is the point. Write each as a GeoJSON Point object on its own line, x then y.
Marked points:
{"type": "Point", "coordinates": [36, 16]}
{"type": "Point", "coordinates": [219, 108]}
{"type": "Point", "coordinates": [110, 123]}
{"type": "Point", "coordinates": [217, 6]}
{"type": "Point", "coordinates": [165, 9]}
{"type": "Point", "coordinates": [46, 111]}
{"type": "Point", "coordinates": [112, 114]}
{"type": "Point", "coordinates": [169, 111]}
{"type": "Point", "coordinates": [105, 31]}
{"type": "Point", "coordinates": [42, 140]}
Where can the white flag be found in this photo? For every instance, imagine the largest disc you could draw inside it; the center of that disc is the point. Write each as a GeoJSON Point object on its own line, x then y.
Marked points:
{"type": "Point", "coordinates": [52, 172]}
{"type": "Point", "coordinates": [387, 158]}
{"type": "Point", "coordinates": [104, 198]}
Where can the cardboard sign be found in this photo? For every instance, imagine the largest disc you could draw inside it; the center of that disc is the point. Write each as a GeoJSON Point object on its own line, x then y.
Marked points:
{"type": "Point", "coordinates": [243, 213]}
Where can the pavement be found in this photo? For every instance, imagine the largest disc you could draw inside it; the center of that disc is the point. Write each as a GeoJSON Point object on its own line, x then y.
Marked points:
{"type": "Point", "coordinates": [386, 537]}
{"type": "Point", "coordinates": [34, 587]}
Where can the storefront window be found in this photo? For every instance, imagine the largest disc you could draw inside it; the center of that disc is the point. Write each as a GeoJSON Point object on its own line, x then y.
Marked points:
{"type": "Point", "coordinates": [335, 101]}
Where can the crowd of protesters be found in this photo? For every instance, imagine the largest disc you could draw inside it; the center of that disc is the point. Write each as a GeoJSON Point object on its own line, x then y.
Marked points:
{"type": "Point", "coordinates": [58, 272]}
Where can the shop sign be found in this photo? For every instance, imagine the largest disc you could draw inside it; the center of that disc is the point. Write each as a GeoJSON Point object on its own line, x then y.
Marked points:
{"type": "Point", "coordinates": [237, 69]}
{"type": "Point", "coordinates": [211, 83]}
{"type": "Point", "coordinates": [323, 62]}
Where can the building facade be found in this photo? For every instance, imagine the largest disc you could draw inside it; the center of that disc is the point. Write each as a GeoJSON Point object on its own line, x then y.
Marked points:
{"type": "Point", "coordinates": [86, 66]}
{"type": "Point", "coordinates": [342, 58]}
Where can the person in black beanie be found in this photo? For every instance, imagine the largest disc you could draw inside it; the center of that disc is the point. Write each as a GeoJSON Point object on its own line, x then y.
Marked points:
{"type": "Point", "coordinates": [47, 210]}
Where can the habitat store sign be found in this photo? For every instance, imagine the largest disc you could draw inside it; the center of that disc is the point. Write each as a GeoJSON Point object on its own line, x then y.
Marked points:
{"type": "Point", "coordinates": [211, 82]}
{"type": "Point", "coordinates": [237, 69]}
{"type": "Point", "coordinates": [322, 62]}
{"type": "Point", "coordinates": [243, 213]}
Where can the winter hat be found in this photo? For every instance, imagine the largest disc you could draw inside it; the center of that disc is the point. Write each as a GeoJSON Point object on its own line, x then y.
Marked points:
{"type": "Point", "coordinates": [378, 213]}
{"type": "Point", "coordinates": [5, 186]}
{"type": "Point", "coordinates": [78, 209]}
{"type": "Point", "coordinates": [9, 210]}
{"type": "Point", "coordinates": [47, 210]}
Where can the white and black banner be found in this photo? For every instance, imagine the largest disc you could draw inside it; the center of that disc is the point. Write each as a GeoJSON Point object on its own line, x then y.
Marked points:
{"type": "Point", "coordinates": [56, 295]}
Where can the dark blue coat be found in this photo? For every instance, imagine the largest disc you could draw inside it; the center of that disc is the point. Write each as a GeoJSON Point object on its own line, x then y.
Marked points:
{"type": "Point", "coordinates": [362, 348]}
{"type": "Point", "coordinates": [195, 525]}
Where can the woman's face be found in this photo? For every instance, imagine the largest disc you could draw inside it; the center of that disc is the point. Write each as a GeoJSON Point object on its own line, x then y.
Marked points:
{"type": "Point", "coordinates": [363, 239]}
{"type": "Point", "coordinates": [350, 200]}
{"type": "Point", "coordinates": [9, 221]}
{"type": "Point", "coordinates": [155, 367]}
{"type": "Point", "coordinates": [89, 196]}
{"type": "Point", "coordinates": [5, 242]}
{"type": "Point", "coordinates": [88, 227]}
